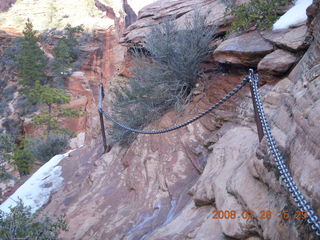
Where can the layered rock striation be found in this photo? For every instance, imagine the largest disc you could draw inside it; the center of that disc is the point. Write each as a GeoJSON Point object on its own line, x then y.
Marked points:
{"type": "Point", "coordinates": [153, 189]}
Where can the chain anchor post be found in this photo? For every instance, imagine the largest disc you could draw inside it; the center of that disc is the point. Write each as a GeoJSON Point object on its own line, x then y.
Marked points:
{"type": "Point", "coordinates": [255, 108]}
{"type": "Point", "coordinates": [106, 147]}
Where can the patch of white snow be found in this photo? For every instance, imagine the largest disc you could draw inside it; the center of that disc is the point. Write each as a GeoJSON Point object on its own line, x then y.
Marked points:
{"type": "Point", "coordinates": [295, 15]}
{"type": "Point", "coordinates": [35, 192]}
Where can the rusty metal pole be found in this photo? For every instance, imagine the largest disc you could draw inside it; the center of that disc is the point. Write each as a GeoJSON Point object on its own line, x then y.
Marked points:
{"type": "Point", "coordinates": [106, 147]}
{"type": "Point", "coordinates": [256, 115]}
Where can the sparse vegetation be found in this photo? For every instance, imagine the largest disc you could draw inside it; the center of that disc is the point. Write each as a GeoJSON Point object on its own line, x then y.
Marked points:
{"type": "Point", "coordinates": [20, 223]}
{"type": "Point", "coordinates": [66, 51]}
{"type": "Point", "coordinates": [31, 59]}
{"type": "Point", "coordinates": [6, 147]}
{"type": "Point", "coordinates": [52, 98]}
{"type": "Point", "coordinates": [164, 74]}
{"type": "Point", "coordinates": [38, 89]}
{"type": "Point", "coordinates": [44, 149]}
{"type": "Point", "coordinates": [12, 127]}
{"type": "Point", "coordinates": [260, 14]}
{"type": "Point", "coordinates": [24, 106]}
{"type": "Point", "coordinates": [8, 93]}
{"type": "Point", "coordinates": [22, 158]}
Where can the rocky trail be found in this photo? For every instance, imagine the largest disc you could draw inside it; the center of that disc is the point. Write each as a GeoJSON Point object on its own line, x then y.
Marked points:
{"type": "Point", "coordinates": [153, 189]}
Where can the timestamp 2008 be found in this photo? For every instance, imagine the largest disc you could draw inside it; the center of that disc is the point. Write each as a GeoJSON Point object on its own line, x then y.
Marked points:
{"type": "Point", "coordinates": [263, 214]}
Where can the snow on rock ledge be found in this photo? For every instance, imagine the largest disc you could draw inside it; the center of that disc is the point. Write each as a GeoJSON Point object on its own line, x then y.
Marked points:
{"type": "Point", "coordinates": [35, 192]}
{"type": "Point", "coordinates": [295, 15]}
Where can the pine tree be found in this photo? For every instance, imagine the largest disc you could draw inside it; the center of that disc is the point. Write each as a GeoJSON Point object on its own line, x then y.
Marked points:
{"type": "Point", "coordinates": [44, 94]}
{"type": "Point", "coordinates": [22, 158]}
{"type": "Point", "coordinates": [65, 50]}
{"type": "Point", "coordinates": [31, 59]}
{"type": "Point", "coordinates": [63, 58]}
{"type": "Point", "coordinates": [52, 98]}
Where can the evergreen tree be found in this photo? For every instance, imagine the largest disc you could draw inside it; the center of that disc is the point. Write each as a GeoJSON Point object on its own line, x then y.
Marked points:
{"type": "Point", "coordinates": [51, 97]}
{"type": "Point", "coordinates": [20, 223]}
{"type": "Point", "coordinates": [66, 51]}
{"type": "Point", "coordinates": [31, 59]}
{"type": "Point", "coordinates": [22, 158]}
{"type": "Point", "coordinates": [63, 57]}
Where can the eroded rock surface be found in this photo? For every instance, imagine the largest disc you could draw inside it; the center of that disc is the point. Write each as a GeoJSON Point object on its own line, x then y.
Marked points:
{"type": "Point", "coordinates": [291, 39]}
{"type": "Point", "coordinates": [246, 50]}
{"type": "Point", "coordinates": [49, 14]}
{"type": "Point", "coordinates": [129, 193]}
{"type": "Point", "coordinates": [158, 11]}
{"type": "Point", "coordinates": [277, 62]}
{"type": "Point", "coordinates": [241, 176]}
{"type": "Point", "coordinates": [152, 189]}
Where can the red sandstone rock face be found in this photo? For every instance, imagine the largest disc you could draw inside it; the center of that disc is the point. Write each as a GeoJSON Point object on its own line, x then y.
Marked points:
{"type": "Point", "coordinates": [140, 192]}
{"type": "Point", "coordinates": [131, 16]}
{"type": "Point", "coordinates": [107, 9]}
{"type": "Point", "coordinates": [152, 190]}
{"type": "Point", "coordinates": [247, 49]}
{"type": "Point", "coordinates": [182, 10]}
{"type": "Point", "coordinates": [128, 193]}
{"type": "Point", "coordinates": [277, 62]}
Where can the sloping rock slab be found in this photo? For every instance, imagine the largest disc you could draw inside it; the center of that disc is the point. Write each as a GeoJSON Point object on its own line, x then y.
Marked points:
{"type": "Point", "coordinates": [277, 62]}
{"type": "Point", "coordinates": [292, 39]}
{"type": "Point", "coordinates": [181, 10]}
{"type": "Point", "coordinates": [247, 50]}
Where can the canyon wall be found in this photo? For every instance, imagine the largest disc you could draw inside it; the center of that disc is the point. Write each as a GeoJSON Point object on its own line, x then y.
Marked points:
{"type": "Point", "coordinates": [157, 188]}
{"type": "Point", "coordinates": [168, 186]}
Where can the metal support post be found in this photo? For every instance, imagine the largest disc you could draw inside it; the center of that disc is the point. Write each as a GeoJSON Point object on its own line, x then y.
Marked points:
{"type": "Point", "coordinates": [106, 147]}
{"type": "Point", "coordinates": [256, 114]}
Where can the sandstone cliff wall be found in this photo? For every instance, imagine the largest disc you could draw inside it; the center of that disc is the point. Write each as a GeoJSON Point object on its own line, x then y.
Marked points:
{"type": "Point", "coordinates": [152, 189]}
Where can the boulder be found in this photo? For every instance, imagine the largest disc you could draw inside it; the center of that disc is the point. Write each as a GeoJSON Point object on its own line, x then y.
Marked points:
{"type": "Point", "coordinates": [277, 62]}
{"type": "Point", "coordinates": [182, 11]}
{"type": "Point", "coordinates": [246, 50]}
{"type": "Point", "coordinates": [291, 39]}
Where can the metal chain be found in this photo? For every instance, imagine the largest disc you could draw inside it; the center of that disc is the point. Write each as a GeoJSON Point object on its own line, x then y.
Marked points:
{"type": "Point", "coordinates": [290, 184]}
{"type": "Point", "coordinates": [298, 197]}
{"type": "Point", "coordinates": [214, 106]}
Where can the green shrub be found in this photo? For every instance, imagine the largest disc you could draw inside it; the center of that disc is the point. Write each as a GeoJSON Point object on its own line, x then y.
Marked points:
{"type": "Point", "coordinates": [12, 126]}
{"type": "Point", "coordinates": [24, 106]}
{"type": "Point", "coordinates": [21, 224]}
{"type": "Point", "coordinates": [45, 149]}
{"type": "Point", "coordinates": [66, 51]}
{"type": "Point", "coordinates": [256, 13]}
{"type": "Point", "coordinates": [6, 147]}
{"type": "Point", "coordinates": [4, 175]}
{"type": "Point", "coordinates": [22, 158]}
{"type": "Point", "coordinates": [6, 144]}
{"type": "Point", "coordinates": [165, 78]}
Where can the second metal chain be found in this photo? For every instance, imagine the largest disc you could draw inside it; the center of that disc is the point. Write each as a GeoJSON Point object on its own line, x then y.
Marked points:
{"type": "Point", "coordinates": [214, 106]}
{"type": "Point", "coordinates": [298, 197]}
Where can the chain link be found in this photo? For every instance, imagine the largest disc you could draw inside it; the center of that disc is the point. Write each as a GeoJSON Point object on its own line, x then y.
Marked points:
{"type": "Point", "coordinates": [290, 184]}
{"type": "Point", "coordinates": [214, 106]}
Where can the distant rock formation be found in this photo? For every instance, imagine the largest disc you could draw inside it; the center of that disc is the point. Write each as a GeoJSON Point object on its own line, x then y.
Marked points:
{"type": "Point", "coordinates": [6, 4]}
{"type": "Point", "coordinates": [109, 10]}
{"type": "Point", "coordinates": [131, 16]}
{"type": "Point", "coordinates": [151, 189]}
